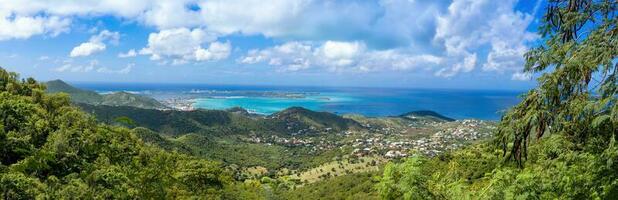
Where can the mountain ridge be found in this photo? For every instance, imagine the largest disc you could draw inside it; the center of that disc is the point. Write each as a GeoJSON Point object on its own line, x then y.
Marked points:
{"type": "Point", "coordinates": [114, 99]}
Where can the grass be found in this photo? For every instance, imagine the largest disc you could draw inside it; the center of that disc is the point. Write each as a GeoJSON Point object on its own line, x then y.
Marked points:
{"type": "Point", "coordinates": [340, 168]}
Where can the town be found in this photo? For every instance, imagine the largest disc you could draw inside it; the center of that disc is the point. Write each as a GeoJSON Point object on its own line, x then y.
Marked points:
{"type": "Point", "coordinates": [388, 142]}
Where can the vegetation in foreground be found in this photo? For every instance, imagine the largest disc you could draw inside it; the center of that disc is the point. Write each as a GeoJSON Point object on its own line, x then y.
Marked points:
{"type": "Point", "coordinates": [559, 142]}
{"type": "Point", "coordinates": [52, 150]}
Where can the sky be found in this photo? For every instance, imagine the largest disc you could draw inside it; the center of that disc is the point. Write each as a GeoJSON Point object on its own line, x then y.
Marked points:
{"type": "Point", "coordinates": [470, 44]}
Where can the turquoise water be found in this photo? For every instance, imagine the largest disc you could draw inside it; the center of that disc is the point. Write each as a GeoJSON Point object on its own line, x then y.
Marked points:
{"type": "Point", "coordinates": [269, 105]}
{"type": "Point", "coordinates": [458, 104]}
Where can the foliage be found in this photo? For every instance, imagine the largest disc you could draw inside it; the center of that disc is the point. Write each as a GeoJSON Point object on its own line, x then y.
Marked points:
{"type": "Point", "coordinates": [577, 94]}
{"type": "Point", "coordinates": [562, 136]}
{"type": "Point", "coordinates": [408, 180]}
{"type": "Point", "coordinates": [51, 150]}
{"type": "Point", "coordinates": [553, 171]}
{"type": "Point", "coordinates": [353, 186]}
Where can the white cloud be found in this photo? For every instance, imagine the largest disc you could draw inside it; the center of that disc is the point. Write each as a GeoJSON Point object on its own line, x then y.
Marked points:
{"type": "Point", "coordinates": [291, 56]}
{"type": "Point", "coordinates": [271, 18]}
{"type": "Point", "coordinates": [508, 36]}
{"type": "Point", "coordinates": [95, 44]}
{"type": "Point", "coordinates": [124, 70]}
{"type": "Point", "coordinates": [171, 14]}
{"type": "Point", "coordinates": [69, 66]}
{"type": "Point", "coordinates": [216, 51]}
{"type": "Point", "coordinates": [466, 65]}
{"type": "Point", "coordinates": [458, 35]}
{"type": "Point", "coordinates": [24, 27]}
{"type": "Point", "coordinates": [87, 48]}
{"type": "Point", "coordinates": [44, 58]}
{"type": "Point", "coordinates": [307, 19]}
{"type": "Point", "coordinates": [128, 54]}
{"type": "Point", "coordinates": [338, 56]}
{"type": "Point", "coordinates": [183, 45]}
{"type": "Point", "coordinates": [63, 68]}
{"type": "Point", "coordinates": [454, 38]}
{"type": "Point", "coordinates": [465, 29]}
{"type": "Point", "coordinates": [521, 76]}
{"type": "Point", "coordinates": [91, 66]}
{"type": "Point", "coordinates": [397, 60]}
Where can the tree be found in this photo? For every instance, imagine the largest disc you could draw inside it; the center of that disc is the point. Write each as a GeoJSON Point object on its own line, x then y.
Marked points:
{"type": "Point", "coordinates": [50, 149]}
{"type": "Point", "coordinates": [576, 96]}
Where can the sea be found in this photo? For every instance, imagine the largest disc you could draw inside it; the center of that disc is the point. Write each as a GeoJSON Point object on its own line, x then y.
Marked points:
{"type": "Point", "coordinates": [372, 102]}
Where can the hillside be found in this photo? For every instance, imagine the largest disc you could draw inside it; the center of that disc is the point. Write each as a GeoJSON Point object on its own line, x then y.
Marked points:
{"type": "Point", "coordinates": [224, 154]}
{"type": "Point", "coordinates": [77, 95]}
{"type": "Point", "coordinates": [298, 120]}
{"type": "Point", "coordinates": [292, 121]}
{"type": "Point", "coordinates": [128, 99]}
{"type": "Point", "coordinates": [50, 149]}
{"type": "Point", "coordinates": [114, 99]}
{"type": "Point", "coordinates": [426, 115]}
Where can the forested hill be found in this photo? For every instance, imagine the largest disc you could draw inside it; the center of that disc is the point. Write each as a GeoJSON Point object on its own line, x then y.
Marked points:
{"type": "Point", "coordinates": [113, 99]}
{"type": "Point", "coordinates": [426, 115]}
{"type": "Point", "coordinates": [52, 150]}
{"type": "Point", "coordinates": [292, 121]}
{"type": "Point", "coordinates": [77, 95]}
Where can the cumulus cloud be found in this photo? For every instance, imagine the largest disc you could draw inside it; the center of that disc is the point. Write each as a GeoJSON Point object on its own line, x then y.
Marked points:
{"type": "Point", "coordinates": [183, 44]}
{"type": "Point", "coordinates": [87, 48]}
{"type": "Point", "coordinates": [215, 51]}
{"type": "Point", "coordinates": [389, 22]}
{"type": "Point", "coordinates": [24, 27]}
{"type": "Point", "coordinates": [95, 44]}
{"type": "Point", "coordinates": [292, 56]}
{"type": "Point", "coordinates": [91, 66]}
{"type": "Point", "coordinates": [466, 65]}
{"type": "Point", "coordinates": [337, 56]}
{"type": "Point", "coordinates": [521, 76]}
{"type": "Point", "coordinates": [124, 70]}
{"type": "Point", "coordinates": [128, 54]}
{"type": "Point", "coordinates": [464, 30]}
{"type": "Point", "coordinates": [453, 36]}
{"type": "Point", "coordinates": [450, 37]}
{"type": "Point", "coordinates": [507, 37]}
{"type": "Point", "coordinates": [69, 66]}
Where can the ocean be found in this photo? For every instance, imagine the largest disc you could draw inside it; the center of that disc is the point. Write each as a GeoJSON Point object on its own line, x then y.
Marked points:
{"type": "Point", "coordinates": [373, 102]}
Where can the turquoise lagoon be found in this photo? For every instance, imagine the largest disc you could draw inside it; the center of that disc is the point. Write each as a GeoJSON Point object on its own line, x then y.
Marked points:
{"type": "Point", "coordinates": [270, 105]}
{"type": "Point", "coordinates": [374, 102]}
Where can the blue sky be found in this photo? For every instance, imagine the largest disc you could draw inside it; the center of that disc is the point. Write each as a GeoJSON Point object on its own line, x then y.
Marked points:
{"type": "Point", "coordinates": [475, 44]}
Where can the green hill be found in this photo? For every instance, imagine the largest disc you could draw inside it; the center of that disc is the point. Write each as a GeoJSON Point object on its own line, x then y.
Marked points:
{"type": "Point", "coordinates": [128, 99]}
{"type": "Point", "coordinates": [300, 120]}
{"type": "Point", "coordinates": [219, 122]}
{"type": "Point", "coordinates": [77, 95]}
{"type": "Point", "coordinates": [426, 115]}
{"type": "Point", "coordinates": [114, 99]}
{"type": "Point", "coordinates": [173, 122]}
{"type": "Point", "coordinates": [50, 149]}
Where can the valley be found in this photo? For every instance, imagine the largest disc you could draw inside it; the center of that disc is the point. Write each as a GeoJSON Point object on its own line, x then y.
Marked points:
{"type": "Point", "coordinates": [296, 146]}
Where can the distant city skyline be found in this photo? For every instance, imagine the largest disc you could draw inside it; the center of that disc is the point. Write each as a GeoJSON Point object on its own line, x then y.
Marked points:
{"type": "Point", "coordinates": [460, 44]}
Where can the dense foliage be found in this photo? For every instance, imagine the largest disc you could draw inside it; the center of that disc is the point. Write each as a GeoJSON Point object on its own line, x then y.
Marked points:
{"type": "Point", "coordinates": [559, 142]}
{"type": "Point", "coordinates": [354, 187]}
{"type": "Point", "coordinates": [50, 149]}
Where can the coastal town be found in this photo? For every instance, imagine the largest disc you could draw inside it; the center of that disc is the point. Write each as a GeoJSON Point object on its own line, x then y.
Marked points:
{"type": "Point", "coordinates": [429, 139]}
{"type": "Point", "coordinates": [179, 103]}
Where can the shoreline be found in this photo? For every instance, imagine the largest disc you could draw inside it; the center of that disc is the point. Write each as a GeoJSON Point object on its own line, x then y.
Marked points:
{"type": "Point", "coordinates": [187, 104]}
